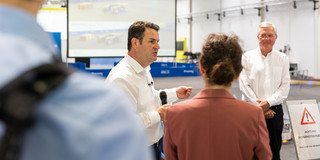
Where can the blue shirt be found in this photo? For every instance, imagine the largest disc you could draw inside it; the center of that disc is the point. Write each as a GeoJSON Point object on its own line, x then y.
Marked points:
{"type": "Point", "coordinates": [83, 119]}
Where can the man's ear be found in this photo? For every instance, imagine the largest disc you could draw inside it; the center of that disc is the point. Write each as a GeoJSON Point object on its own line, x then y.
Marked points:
{"type": "Point", "coordinates": [134, 42]}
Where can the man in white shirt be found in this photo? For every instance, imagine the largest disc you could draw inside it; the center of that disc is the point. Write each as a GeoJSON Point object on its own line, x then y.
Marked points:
{"type": "Point", "coordinates": [265, 81]}
{"type": "Point", "coordinates": [132, 73]}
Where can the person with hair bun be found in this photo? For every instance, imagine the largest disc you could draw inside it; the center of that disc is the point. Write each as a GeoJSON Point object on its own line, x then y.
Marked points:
{"type": "Point", "coordinates": [213, 124]}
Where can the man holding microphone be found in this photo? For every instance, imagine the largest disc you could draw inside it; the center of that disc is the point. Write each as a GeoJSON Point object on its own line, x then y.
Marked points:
{"type": "Point", "coordinates": [132, 73]}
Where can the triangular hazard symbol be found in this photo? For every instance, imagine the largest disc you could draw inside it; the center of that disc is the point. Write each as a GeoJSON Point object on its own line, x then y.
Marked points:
{"type": "Point", "coordinates": [307, 118]}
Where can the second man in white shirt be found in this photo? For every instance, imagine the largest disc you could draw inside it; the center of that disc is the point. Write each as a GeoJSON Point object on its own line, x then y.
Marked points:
{"type": "Point", "coordinates": [265, 81]}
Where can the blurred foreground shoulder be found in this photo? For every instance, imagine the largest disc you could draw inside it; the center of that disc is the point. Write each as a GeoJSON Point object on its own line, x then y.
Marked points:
{"type": "Point", "coordinates": [86, 119]}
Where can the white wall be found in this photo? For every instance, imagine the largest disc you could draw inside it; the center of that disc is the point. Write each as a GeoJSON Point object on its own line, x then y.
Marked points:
{"type": "Point", "coordinates": [297, 28]}
{"type": "Point", "coordinates": [244, 26]}
{"type": "Point", "coordinates": [55, 20]}
{"type": "Point", "coordinates": [317, 44]}
{"type": "Point", "coordinates": [183, 28]}
{"type": "Point", "coordinates": [201, 25]}
{"type": "Point", "coordinates": [232, 3]}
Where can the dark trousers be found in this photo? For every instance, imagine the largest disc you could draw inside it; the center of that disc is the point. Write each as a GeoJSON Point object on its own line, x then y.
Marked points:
{"type": "Point", "coordinates": [275, 126]}
{"type": "Point", "coordinates": [155, 149]}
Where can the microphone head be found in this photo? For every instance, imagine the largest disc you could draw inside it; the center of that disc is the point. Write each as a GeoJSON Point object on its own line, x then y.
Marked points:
{"type": "Point", "coordinates": [163, 97]}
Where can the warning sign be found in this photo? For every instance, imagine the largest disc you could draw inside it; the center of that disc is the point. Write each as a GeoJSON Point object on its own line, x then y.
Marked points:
{"type": "Point", "coordinates": [304, 117]}
{"type": "Point", "coordinates": [307, 118]}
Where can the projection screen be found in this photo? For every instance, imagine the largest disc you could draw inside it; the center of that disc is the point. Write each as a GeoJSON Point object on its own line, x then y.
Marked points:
{"type": "Point", "coordinates": [99, 28]}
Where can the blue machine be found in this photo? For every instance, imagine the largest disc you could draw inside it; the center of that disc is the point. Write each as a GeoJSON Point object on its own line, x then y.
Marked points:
{"type": "Point", "coordinates": [158, 69]}
{"type": "Point", "coordinates": [57, 40]}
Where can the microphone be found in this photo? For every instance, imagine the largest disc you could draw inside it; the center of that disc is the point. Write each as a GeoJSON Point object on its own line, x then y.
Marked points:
{"type": "Point", "coordinates": [163, 97]}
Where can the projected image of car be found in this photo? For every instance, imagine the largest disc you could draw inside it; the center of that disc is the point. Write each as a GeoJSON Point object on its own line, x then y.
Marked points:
{"type": "Point", "coordinates": [84, 6]}
{"type": "Point", "coordinates": [86, 37]}
{"type": "Point", "coordinates": [109, 38]}
{"type": "Point", "coordinates": [115, 8]}
{"type": "Point", "coordinates": [96, 27]}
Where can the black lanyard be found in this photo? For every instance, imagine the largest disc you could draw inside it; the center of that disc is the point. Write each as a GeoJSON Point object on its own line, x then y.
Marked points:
{"type": "Point", "coordinates": [18, 101]}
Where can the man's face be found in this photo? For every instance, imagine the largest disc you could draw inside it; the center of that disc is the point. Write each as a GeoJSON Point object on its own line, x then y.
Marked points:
{"type": "Point", "coordinates": [267, 37]}
{"type": "Point", "coordinates": [148, 49]}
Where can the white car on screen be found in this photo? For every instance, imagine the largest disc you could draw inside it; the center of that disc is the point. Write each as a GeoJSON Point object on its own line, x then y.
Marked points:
{"type": "Point", "coordinates": [84, 6]}
{"type": "Point", "coordinates": [109, 38]}
{"type": "Point", "coordinates": [115, 8]}
{"type": "Point", "coordinates": [86, 37]}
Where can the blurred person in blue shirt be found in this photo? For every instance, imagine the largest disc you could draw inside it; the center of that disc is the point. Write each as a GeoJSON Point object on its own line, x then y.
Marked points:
{"type": "Point", "coordinates": [81, 119]}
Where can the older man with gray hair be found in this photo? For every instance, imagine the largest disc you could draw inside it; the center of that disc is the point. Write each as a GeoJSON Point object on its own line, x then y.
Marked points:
{"type": "Point", "coordinates": [265, 81]}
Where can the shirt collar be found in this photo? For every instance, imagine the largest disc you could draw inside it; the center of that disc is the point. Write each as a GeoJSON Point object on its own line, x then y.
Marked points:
{"type": "Point", "coordinates": [135, 65]}
{"type": "Point", "coordinates": [221, 93]}
{"type": "Point", "coordinates": [23, 24]}
{"type": "Point", "coordinates": [268, 55]}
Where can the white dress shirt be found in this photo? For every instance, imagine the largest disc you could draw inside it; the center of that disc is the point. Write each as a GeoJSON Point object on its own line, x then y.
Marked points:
{"type": "Point", "coordinates": [138, 82]}
{"type": "Point", "coordinates": [265, 77]}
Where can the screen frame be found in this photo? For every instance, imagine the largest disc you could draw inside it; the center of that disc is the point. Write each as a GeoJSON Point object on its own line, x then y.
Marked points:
{"type": "Point", "coordinates": [82, 57]}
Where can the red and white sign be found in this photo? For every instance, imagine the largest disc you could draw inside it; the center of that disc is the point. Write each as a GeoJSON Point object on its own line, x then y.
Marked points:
{"type": "Point", "coordinates": [305, 120]}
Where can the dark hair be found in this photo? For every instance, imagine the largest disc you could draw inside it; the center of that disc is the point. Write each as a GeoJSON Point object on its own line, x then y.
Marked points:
{"type": "Point", "coordinates": [221, 58]}
{"type": "Point", "coordinates": [136, 30]}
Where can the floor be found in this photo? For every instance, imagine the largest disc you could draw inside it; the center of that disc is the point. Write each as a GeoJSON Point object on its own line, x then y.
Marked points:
{"type": "Point", "coordinates": [297, 92]}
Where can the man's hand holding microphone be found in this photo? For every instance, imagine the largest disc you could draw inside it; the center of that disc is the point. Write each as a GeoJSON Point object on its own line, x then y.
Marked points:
{"type": "Point", "coordinates": [182, 92]}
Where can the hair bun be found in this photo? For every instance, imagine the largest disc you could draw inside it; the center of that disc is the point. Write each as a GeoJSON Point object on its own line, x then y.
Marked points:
{"type": "Point", "coordinates": [223, 73]}
{"type": "Point", "coordinates": [221, 59]}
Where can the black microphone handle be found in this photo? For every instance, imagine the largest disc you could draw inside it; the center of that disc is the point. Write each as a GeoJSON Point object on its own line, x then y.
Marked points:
{"type": "Point", "coordinates": [163, 97]}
